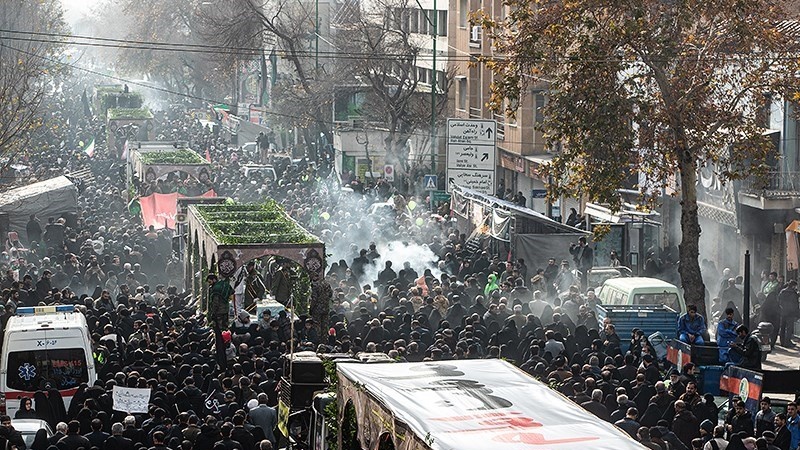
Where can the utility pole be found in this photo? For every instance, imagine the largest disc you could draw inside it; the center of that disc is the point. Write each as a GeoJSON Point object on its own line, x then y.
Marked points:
{"type": "Point", "coordinates": [746, 289]}
{"type": "Point", "coordinates": [316, 39]}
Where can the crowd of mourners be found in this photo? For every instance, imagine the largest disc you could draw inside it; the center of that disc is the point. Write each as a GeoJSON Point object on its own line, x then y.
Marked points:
{"type": "Point", "coordinates": [146, 331]}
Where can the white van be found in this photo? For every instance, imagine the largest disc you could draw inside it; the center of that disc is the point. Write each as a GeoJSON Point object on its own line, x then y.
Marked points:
{"type": "Point", "coordinates": [266, 171]}
{"type": "Point", "coordinates": [641, 291]}
{"type": "Point", "coordinates": [44, 346]}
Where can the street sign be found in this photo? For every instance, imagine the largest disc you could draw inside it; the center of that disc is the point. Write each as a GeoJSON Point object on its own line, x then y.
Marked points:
{"type": "Point", "coordinates": [388, 172]}
{"type": "Point", "coordinates": [471, 154]}
{"type": "Point", "coordinates": [431, 182]}
{"type": "Point", "coordinates": [478, 180]}
{"type": "Point", "coordinates": [440, 197]}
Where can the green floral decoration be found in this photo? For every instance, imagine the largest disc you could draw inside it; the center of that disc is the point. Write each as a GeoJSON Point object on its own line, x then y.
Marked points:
{"type": "Point", "coordinates": [265, 223]}
{"type": "Point", "coordinates": [181, 156]}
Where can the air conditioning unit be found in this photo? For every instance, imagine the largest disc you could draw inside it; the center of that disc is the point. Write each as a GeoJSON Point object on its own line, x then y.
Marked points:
{"type": "Point", "coordinates": [475, 33]}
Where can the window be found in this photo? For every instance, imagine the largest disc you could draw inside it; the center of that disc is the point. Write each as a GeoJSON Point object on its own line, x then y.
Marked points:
{"type": "Point", "coordinates": [424, 26]}
{"type": "Point", "coordinates": [617, 298]}
{"type": "Point", "coordinates": [669, 299]}
{"type": "Point", "coordinates": [463, 9]}
{"type": "Point", "coordinates": [462, 93]}
{"type": "Point", "coordinates": [441, 24]}
{"type": "Point", "coordinates": [413, 25]}
{"type": "Point", "coordinates": [65, 368]}
{"type": "Point", "coordinates": [540, 102]}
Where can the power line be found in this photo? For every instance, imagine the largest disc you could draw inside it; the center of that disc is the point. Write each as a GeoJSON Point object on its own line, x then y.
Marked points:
{"type": "Point", "coordinates": [253, 51]}
{"type": "Point", "coordinates": [190, 96]}
{"type": "Point", "coordinates": [213, 49]}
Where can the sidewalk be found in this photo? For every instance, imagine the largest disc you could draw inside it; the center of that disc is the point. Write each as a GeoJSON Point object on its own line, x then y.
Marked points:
{"type": "Point", "coordinates": [783, 359]}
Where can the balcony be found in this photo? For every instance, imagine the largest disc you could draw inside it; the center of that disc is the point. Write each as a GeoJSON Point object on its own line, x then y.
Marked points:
{"type": "Point", "coordinates": [776, 184]}
{"type": "Point", "coordinates": [777, 190]}
{"type": "Point", "coordinates": [475, 113]}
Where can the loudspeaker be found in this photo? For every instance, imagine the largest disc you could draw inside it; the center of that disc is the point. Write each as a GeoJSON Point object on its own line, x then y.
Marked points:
{"type": "Point", "coordinates": [302, 394]}
{"type": "Point", "coordinates": [298, 395]}
{"type": "Point", "coordinates": [305, 369]}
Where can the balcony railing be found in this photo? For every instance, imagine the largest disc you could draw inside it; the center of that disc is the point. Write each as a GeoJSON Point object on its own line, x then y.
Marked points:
{"type": "Point", "coordinates": [774, 184]}
{"type": "Point", "coordinates": [475, 113]}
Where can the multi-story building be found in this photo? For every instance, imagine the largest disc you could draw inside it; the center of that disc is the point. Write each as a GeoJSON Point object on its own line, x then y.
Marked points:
{"type": "Point", "coordinates": [521, 147]}
{"type": "Point", "coordinates": [359, 140]}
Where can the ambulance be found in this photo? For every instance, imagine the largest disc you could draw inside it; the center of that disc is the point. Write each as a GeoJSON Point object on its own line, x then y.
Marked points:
{"type": "Point", "coordinates": [44, 347]}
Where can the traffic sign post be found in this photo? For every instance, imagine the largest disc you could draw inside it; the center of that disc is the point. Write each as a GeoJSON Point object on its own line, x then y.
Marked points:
{"type": "Point", "coordinates": [471, 154]}
{"type": "Point", "coordinates": [431, 182]}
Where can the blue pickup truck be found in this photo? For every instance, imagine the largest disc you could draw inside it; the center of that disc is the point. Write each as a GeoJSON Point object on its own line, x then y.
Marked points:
{"type": "Point", "coordinates": [657, 322]}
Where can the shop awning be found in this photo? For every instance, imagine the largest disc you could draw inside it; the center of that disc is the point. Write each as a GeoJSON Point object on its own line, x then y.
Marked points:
{"type": "Point", "coordinates": [629, 211]}
{"type": "Point", "coordinates": [511, 209]}
{"type": "Point", "coordinates": [792, 246]}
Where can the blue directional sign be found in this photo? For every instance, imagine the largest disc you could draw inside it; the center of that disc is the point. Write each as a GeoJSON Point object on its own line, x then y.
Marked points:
{"type": "Point", "coordinates": [431, 182]}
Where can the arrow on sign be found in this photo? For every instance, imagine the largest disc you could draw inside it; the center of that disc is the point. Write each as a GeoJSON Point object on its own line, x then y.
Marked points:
{"type": "Point", "coordinates": [489, 133]}
{"type": "Point", "coordinates": [451, 180]}
{"type": "Point", "coordinates": [485, 157]}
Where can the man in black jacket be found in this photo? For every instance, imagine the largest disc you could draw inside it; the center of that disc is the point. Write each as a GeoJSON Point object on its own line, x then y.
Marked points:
{"type": "Point", "coordinates": [61, 431]}
{"type": "Point", "coordinates": [596, 407]}
{"type": "Point", "coordinates": [783, 437]}
{"type": "Point", "coordinates": [117, 441]}
{"type": "Point", "coordinates": [73, 440]}
{"type": "Point", "coordinates": [748, 348]}
{"type": "Point", "coordinates": [97, 437]}
{"type": "Point", "coordinates": [790, 311]}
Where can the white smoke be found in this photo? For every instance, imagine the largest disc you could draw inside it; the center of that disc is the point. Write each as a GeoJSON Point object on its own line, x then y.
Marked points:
{"type": "Point", "coordinates": [352, 228]}
{"type": "Point", "coordinates": [419, 256]}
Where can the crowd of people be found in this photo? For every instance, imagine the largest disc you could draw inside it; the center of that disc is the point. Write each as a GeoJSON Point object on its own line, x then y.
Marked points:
{"type": "Point", "coordinates": [128, 282]}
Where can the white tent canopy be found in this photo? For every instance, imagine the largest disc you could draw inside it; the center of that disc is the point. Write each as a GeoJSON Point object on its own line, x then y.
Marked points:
{"type": "Point", "coordinates": [49, 198]}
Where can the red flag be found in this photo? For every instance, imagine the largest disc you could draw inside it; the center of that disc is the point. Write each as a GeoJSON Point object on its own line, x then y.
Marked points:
{"type": "Point", "coordinates": [208, 156]}
{"type": "Point", "coordinates": [159, 210]}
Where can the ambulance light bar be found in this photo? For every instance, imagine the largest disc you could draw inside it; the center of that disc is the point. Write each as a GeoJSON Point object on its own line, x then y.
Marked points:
{"type": "Point", "coordinates": [38, 310]}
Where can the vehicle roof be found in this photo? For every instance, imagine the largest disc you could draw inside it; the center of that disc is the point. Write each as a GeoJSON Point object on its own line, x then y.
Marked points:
{"type": "Point", "coordinates": [53, 320]}
{"type": "Point", "coordinates": [440, 403]}
{"type": "Point", "coordinates": [638, 282]}
{"type": "Point", "coordinates": [29, 424]}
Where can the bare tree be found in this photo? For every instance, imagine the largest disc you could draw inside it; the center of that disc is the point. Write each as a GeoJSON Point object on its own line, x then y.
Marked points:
{"type": "Point", "coordinates": [27, 64]}
{"type": "Point", "coordinates": [183, 65]}
{"type": "Point", "coordinates": [302, 96]}
{"type": "Point", "coordinates": [386, 64]}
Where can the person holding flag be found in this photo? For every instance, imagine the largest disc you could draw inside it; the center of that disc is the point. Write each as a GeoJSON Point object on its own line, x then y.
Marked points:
{"type": "Point", "coordinates": [89, 149]}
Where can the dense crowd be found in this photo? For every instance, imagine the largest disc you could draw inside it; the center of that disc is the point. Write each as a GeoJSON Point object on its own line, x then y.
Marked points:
{"type": "Point", "coordinates": [404, 283]}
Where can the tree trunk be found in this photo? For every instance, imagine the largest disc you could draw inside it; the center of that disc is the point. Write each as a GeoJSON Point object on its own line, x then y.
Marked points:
{"type": "Point", "coordinates": [689, 249]}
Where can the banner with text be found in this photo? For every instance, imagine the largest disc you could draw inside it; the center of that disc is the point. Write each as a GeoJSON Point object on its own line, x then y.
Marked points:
{"type": "Point", "coordinates": [130, 400]}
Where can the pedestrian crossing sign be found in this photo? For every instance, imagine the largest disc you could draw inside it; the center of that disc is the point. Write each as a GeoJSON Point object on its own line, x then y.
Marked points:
{"type": "Point", "coordinates": [431, 182]}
